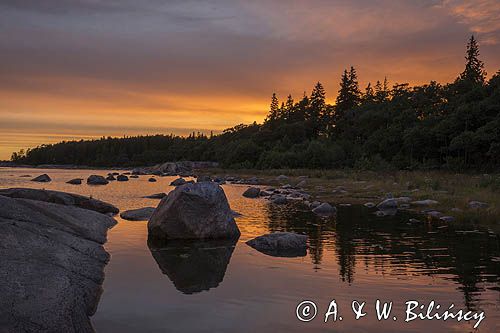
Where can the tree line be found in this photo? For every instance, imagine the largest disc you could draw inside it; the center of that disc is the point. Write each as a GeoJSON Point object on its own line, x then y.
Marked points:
{"type": "Point", "coordinates": [454, 126]}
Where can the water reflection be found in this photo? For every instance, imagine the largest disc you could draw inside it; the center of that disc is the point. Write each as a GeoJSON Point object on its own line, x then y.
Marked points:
{"type": "Point", "coordinates": [392, 247]}
{"type": "Point", "coordinates": [193, 266]}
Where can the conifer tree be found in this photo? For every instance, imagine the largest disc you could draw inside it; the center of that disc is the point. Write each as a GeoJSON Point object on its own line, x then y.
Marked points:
{"type": "Point", "coordinates": [474, 68]}
{"type": "Point", "coordinates": [273, 109]}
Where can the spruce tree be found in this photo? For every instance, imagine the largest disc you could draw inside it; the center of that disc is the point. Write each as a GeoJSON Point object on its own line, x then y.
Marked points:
{"type": "Point", "coordinates": [474, 68]}
{"type": "Point", "coordinates": [273, 109]}
{"type": "Point", "coordinates": [349, 94]}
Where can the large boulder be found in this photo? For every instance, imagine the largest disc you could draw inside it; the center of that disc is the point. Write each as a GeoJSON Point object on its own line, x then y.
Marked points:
{"type": "Point", "coordinates": [96, 180]}
{"type": "Point", "coordinates": [63, 198]}
{"type": "Point", "coordinates": [140, 214]}
{"type": "Point", "coordinates": [280, 244]}
{"type": "Point", "coordinates": [42, 178]}
{"type": "Point", "coordinates": [52, 266]}
{"type": "Point", "coordinates": [193, 266]}
{"type": "Point", "coordinates": [194, 211]}
{"type": "Point", "coordinates": [252, 192]}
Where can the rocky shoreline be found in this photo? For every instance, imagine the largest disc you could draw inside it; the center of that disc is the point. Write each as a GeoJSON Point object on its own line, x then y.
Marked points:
{"type": "Point", "coordinates": [53, 263]}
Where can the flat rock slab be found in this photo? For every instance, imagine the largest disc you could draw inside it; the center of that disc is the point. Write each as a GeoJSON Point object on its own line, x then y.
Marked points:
{"type": "Point", "coordinates": [63, 198]}
{"type": "Point", "coordinates": [280, 244]}
{"type": "Point", "coordinates": [52, 266]}
{"type": "Point", "coordinates": [140, 214]}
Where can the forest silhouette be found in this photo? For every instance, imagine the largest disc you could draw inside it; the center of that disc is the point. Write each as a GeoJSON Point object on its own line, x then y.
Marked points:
{"type": "Point", "coordinates": [454, 126]}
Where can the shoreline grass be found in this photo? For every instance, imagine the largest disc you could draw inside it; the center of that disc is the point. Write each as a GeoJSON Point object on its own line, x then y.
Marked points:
{"type": "Point", "coordinates": [453, 191]}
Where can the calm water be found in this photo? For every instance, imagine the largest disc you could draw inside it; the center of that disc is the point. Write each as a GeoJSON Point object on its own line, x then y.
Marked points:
{"type": "Point", "coordinates": [232, 288]}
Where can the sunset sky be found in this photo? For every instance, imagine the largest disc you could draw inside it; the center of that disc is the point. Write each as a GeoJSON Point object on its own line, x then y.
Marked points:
{"type": "Point", "coordinates": [87, 68]}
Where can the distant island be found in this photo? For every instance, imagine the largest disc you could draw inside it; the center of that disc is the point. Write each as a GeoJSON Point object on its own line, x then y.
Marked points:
{"type": "Point", "coordinates": [455, 126]}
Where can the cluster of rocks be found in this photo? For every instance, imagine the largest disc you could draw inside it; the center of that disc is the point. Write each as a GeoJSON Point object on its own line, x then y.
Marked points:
{"type": "Point", "coordinates": [52, 260]}
{"type": "Point", "coordinates": [286, 194]}
{"type": "Point", "coordinates": [390, 206]}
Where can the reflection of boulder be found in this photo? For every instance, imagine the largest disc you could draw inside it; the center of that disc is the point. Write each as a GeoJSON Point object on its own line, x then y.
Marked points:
{"type": "Point", "coordinates": [193, 266]}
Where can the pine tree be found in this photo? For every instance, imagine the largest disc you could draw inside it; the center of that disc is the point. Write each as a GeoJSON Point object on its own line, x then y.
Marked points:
{"type": "Point", "coordinates": [474, 68]}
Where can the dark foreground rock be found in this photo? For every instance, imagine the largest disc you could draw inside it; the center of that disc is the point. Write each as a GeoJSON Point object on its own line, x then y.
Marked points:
{"type": "Point", "coordinates": [96, 180]}
{"type": "Point", "coordinates": [193, 266]}
{"type": "Point", "coordinates": [68, 199]}
{"type": "Point", "coordinates": [194, 211]}
{"type": "Point", "coordinates": [281, 244]}
{"type": "Point", "coordinates": [42, 178]}
{"type": "Point", "coordinates": [52, 266]}
{"type": "Point", "coordinates": [140, 214]}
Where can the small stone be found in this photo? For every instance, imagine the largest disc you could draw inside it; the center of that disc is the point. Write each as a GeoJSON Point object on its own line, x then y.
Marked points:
{"type": "Point", "coordinates": [42, 178]}
{"type": "Point", "coordinates": [252, 192]}
{"type": "Point", "coordinates": [122, 178]}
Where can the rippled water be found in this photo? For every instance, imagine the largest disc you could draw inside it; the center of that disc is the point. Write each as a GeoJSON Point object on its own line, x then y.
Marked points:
{"type": "Point", "coordinates": [233, 288]}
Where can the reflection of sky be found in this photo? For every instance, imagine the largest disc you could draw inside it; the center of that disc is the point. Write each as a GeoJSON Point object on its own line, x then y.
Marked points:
{"type": "Point", "coordinates": [260, 292]}
{"type": "Point", "coordinates": [91, 68]}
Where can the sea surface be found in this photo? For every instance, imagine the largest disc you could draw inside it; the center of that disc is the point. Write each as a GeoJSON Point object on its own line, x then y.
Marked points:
{"type": "Point", "coordinates": [230, 287]}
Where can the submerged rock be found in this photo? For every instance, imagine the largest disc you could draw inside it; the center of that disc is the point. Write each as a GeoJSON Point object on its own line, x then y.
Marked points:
{"type": "Point", "coordinates": [63, 198]}
{"type": "Point", "coordinates": [280, 244]}
{"type": "Point", "coordinates": [42, 178]}
{"type": "Point", "coordinates": [96, 180]}
{"type": "Point", "coordinates": [194, 211]}
{"type": "Point", "coordinates": [52, 266]}
{"type": "Point", "coordinates": [325, 209]}
{"type": "Point", "coordinates": [193, 266]}
{"type": "Point", "coordinates": [140, 214]}
{"type": "Point", "coordinates": [426, 202]}
{"type": "Point", "coordinates": [252, 192]}
{"type": "Point", "coordinates": [156, 196]}
{"type": "Point", "coordinates": [76, 181]}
